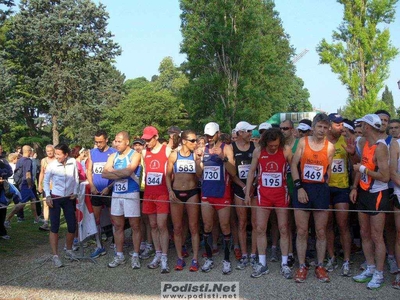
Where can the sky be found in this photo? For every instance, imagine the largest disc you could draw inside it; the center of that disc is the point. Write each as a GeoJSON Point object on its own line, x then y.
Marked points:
{"type": "Point", "coordinates": [148, 31]}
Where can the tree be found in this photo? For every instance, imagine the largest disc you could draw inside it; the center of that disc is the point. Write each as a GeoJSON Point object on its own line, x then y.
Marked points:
{"type": "Point", "coordinates": [387, 98]}
{"type": "Point", "coordinates": [361, 52]}
{"type": "Point", "coordinates": [238, 61]}
{"type": "Point", "coordinates": [7, 11]}
{"type": "Point", "coordinates": [60, 53]}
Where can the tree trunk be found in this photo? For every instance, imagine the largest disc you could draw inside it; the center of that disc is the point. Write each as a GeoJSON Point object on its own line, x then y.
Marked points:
{"type": "Point", "coordinates": [56, 134]}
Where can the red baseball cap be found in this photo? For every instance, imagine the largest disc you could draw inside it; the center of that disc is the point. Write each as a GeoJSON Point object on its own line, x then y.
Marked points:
{"type": "Point", "coordinates": [149, 132]}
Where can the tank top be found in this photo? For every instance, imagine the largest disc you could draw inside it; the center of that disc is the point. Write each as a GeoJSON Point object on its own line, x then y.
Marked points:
{"type": "Point", "coordinates": [99, 160]}
{"type": "Point", "coordinates": [339, 176]}
{"type": "Point", "coordinates": [185, 164]}
{"type": "Point", "coordinates": [215, 177]}
{"type": "Point", "coordinates": [243, 161]}
{"type": "Point", "coordinates": [155, 167]}
{"type": "Point", "coordinates": [367, 183]}
{"type": "Point", "coordinates": [314, 164]}
{"type": "Point", "coordinates": [125, 185]}
{"type": "Point", "coordinates": [396, 187]}
{"type": "Point", "coordinates": [272, 175]}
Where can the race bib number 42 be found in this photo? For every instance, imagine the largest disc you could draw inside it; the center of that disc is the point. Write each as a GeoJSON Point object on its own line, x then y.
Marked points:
{"type": "Point", "coordinates": [211, 173]}
{"type": "Point", "coordinates": [154, 178]}
{"type": "Point", "coordinates": [98, 167]}
{"type": "Point", "coordinates": [313, 173]}
{"type": "Point", "coordinates": [271, 180]}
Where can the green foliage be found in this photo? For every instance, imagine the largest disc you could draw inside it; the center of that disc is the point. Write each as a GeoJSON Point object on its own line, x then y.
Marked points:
{"type": "Point", "coordinates": [5, 9]}
{"type": "Point", "coordinates": [147, 103]}
{"type": "Point", "coordinates": [60, 55]}
{"type": "Point", "coordinates": [361, 52]}
{"type": "Point", "coordinates": [238, 62]}
{"type": "Point", "coordinates": [387, 98]}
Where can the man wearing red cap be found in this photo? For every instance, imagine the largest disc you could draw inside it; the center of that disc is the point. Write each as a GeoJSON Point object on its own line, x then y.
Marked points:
{"type": "Point", "coordinates": [156, 196]}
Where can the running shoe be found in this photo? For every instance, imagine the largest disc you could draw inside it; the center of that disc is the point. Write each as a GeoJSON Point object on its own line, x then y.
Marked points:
{"type": "Point", "coordinates": [6, 237]}
{"type": "Point", "coordinates": [259, 271]}
{"type": "Point", "coordinates": [38, 220]}
{"type": "Point", "coordinates": [117, 261]}
{"type": "Point", "coordinates": [19, 220]}
{"type": "Point", "coordinates": [365, 276]}
{"type": "Point", "coordinates": [98, 252]}
{"type": "Point", "coordinates": [185, 253]}
{"type": "Point", "coordinates": [7, 224]}
{"type": "Point", "coordinates": [215, 252]}
{"type": "Point", "coordinates": [286, 272]}
{"type": "Point", "coordinates": [57, 261]}
{"type": "Point", "coordinates": [321, 274]}
{"type": "Point", "coordinates": [75, 245]}
{"type": "Point", "coordinates": [238, 253]}
{"type": "Point", "coordinates": [243, 263]}
{"type": "Point", "coordinates": [70, 255]}
{"type": "Point", "coordinates": [274, 254]}
{"type": "Point", "coordinates": [301, 274]}
{"type": "Point", "coordinates": [376, 282]}
{"type": "Point", "coordinates": [363, 266]}
{"type": "Point", "coordinates": [253, 261]}
{"type": "Point", "coordinates": [44, 227]}
{"type": "Point", "coordinates": [147, 253]}
{"type": "Point", "coordinates": [180, 264]}
{"type": "Point", "coordinates": [164, 265]}
{"type": "Point", "coordinates": [194, 266]}
{"type": "Point", "coordinates": [331, 264]}
{"type": "Point", "coordinates": [208, 265]}
{"type": "Point", "coordinates": [396, 282]}
{"type": "Point", "coordinates": [135, 263]}
{"type": "Point", "coordinates": [226, 267]}
{"type": "Point", "coordinates": [345, 270]}
{"type": "Point", "coordinates": [155, 263]}
{"type": "Point", "coordinates": [392, 265]}
{"type": "Point", "coordinates": [290, 261]}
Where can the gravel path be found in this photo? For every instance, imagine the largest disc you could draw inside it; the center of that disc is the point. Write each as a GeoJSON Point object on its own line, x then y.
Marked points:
{"type": "Point", "coordinates": [32, 276]}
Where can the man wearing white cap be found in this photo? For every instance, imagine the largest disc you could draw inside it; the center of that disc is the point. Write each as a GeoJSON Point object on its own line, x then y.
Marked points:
{"type": "Point", "coordinates": [304, 128]}
{"type": "Point", "coordinates": [217, 166]}
{"type": "Point", "coordinates": [370, 191]}
{"type": "Point", "coordinates": [243, 151]}
{"type": "Point", "coordinates": [263, 126]}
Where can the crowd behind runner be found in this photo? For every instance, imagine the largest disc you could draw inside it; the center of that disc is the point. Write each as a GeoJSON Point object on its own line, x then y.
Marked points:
{"type": "Point", "coordinates": [202, 186]}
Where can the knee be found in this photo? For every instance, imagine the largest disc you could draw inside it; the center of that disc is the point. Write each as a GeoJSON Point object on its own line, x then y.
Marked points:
{"type": "Point", "coordinates": [365, 234]}
{"type": "Point", "coordinates": [242, 225]}
{"type": "Point", "coordinates": [194, 228]}
{"type": "Point", "coordinates": [321, 234]}
{"type": "Point", "coordinates": [284, 230]}
{"type": "Point", "coordinates": [178, 229]}
{"type": "Point", "coordinates": [225, 227]}
{"type": "Point", "coordinates": [377, 237]}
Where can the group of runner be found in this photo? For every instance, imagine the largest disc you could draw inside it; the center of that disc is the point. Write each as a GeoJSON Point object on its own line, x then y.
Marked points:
{"type": "Point", "coordinates": [289, 175]}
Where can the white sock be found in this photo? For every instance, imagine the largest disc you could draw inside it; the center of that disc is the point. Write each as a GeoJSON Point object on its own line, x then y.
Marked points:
{"type": "Point", "coordinates": [263, 259]}
{"type": "Point", "coordinates": [284, 259]}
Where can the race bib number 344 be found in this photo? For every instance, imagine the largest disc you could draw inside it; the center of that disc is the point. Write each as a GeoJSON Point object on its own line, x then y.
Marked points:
{"type": "Point", "coordinates": [154, 178]}
{"type": "Point", "coordinates": [313, 173]}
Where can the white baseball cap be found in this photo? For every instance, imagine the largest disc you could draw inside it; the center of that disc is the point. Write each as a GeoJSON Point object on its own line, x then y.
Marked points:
{"type": "Point", "coordinates": [371, 119]}
{"type": "Point", "coordinates": [304, 127]}
{"type": "Point", "coordinates": [243, 125]}
{"type": "Point", "coordinates": [211, 128]}
{"type": "Point", "coordinates": [264, 125]}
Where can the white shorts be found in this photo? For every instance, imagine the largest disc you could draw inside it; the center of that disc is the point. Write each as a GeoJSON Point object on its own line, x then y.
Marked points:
{"type": "Point", "coordinates": [127, 205]}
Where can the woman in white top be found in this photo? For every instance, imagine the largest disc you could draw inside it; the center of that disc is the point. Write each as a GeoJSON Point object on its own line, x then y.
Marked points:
{"type": "Point", "coordinates": [63, 174]}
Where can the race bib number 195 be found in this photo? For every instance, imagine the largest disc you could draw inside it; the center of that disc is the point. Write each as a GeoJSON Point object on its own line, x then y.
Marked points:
{"type": "Point", "coordinates": [271, 179]}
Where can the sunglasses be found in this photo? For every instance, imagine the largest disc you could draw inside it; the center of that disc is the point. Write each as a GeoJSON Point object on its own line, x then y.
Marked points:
{"type": "Point", "coordinates": [285, 128]}
{"type": "Point", "coordinates": [192, 140]}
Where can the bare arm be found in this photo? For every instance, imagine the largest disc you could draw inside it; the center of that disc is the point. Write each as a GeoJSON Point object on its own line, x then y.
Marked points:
{"type": "Point", "coordinates": [331, 153]}
{"type": "Point", "coordinates": [394, 156]}
{"type": "Point", "coordinates": [168, 178]}
{"type": "Point", "coordinates": [302, 196]}
{"type": "Point", "coordinates": [251, 174]}
{"type": "Point", "coordinates": [230, 164]}
{"type": "Point", "coordinates": [41, 175]}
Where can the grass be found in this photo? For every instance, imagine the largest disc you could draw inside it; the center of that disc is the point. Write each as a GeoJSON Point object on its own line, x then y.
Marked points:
{"type": "Point", "coordinates": [25, 235]}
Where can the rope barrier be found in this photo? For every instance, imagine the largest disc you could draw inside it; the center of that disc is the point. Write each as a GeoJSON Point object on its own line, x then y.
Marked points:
{"type": "Point", "coordinates": [233, 205]}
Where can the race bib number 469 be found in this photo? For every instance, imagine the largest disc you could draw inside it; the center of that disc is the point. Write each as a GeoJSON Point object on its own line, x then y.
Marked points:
{"type": "Point", "coordinates": [211, 173]}
{"type": "Point", "coordinates": [313, 173]}
{"type": "Point", "coordinates": [154, 178]}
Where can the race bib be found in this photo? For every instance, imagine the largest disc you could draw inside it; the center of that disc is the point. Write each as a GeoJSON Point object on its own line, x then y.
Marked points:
{"type": "Point", "coordinates": [154, 178]}
{"type": "Point", "coordinates": [364, 178]}
{"type": "Point", "coordinates": [313, 173]}
{"type": "Point", "coordinates": [243, 171]}
{"type": "Point", "coordinates": [185, 166]}
{"type": "Point", "coordinates": [271, 180]}
{"type": "Point", "coordinates": [98, 167]}
{"type": "Point", "coordinates": [121, 186]}
{"type": "Point", "coordinates": [338, 166]}
{"type": "Point", "coordinates": [211, 173]}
